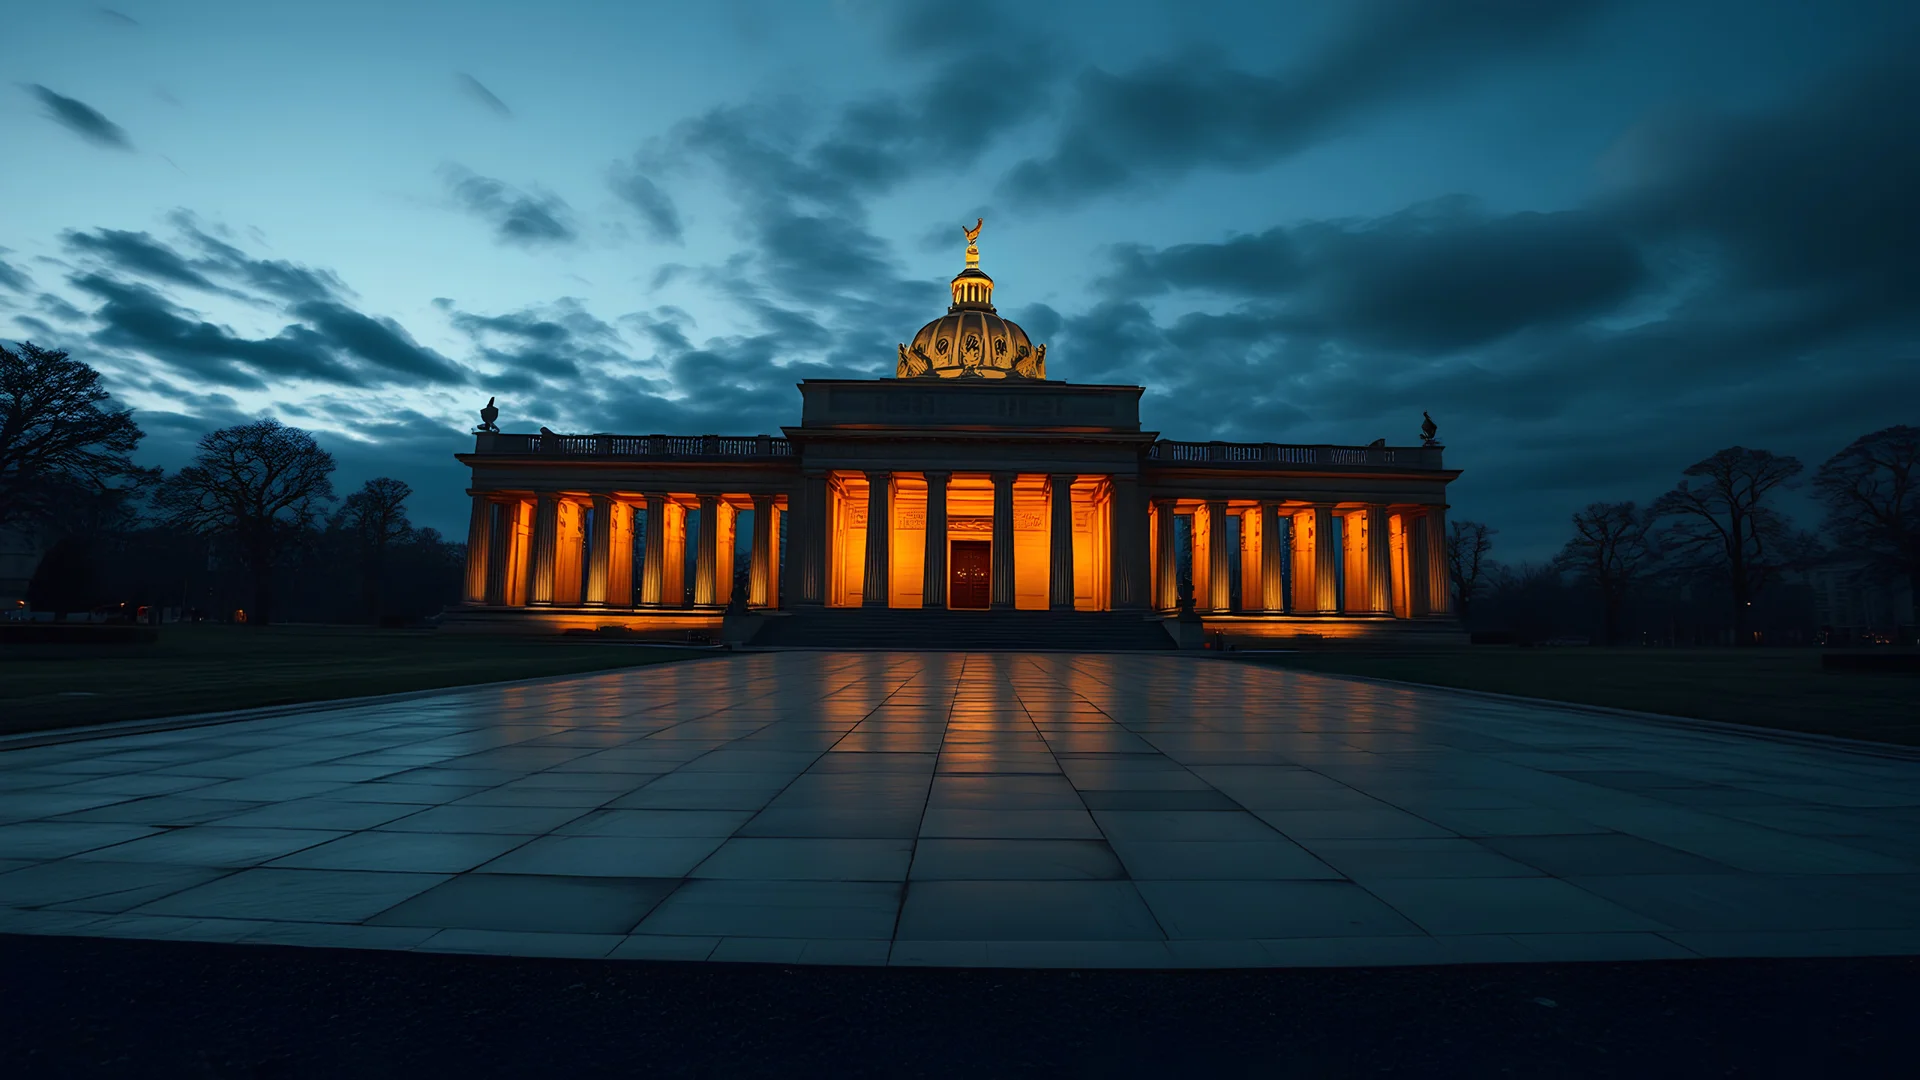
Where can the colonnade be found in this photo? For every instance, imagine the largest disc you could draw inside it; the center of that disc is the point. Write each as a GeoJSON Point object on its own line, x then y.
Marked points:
{"type": "Point", "coordinates": [884, 538]}
{"type": "Point", "coordinates": [1339, 558]}
{"type": "Point", "coordinates": [880, 538]}
{"type": "Point", "coordinates": [566, 550]}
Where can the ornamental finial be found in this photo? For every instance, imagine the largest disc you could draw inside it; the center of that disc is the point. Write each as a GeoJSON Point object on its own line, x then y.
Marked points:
{"type": "Point", "coordinates": [973, 243]}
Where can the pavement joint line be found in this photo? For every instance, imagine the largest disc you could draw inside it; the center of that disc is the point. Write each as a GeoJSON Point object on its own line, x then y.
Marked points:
{"type": "Point", "coordinates": [1726, 727]}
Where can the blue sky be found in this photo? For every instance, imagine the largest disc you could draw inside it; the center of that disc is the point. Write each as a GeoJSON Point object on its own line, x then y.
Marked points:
{"type": "Point", "coordinates": [1598, 240]}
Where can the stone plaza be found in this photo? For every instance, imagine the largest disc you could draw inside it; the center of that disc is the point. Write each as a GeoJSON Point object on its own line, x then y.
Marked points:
{"type": "Point", "coordinates": [966, 809]}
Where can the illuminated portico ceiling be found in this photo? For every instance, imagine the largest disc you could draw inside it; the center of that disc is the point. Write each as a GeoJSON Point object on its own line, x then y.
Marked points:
{"type": "Point", "coordinates": [971, 341]}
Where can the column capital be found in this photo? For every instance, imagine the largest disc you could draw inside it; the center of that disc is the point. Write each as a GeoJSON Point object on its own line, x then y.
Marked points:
{"type": "Point", "coordinates": [1003, 477]}
{"type": "Point", "coordinates": [761, 502]}
{"type": "Point", "coordinates": [1066, 477]}
{"type": "Point", "coordinates": [877, 474]}
{"type": "Point", "coordinates": [942, 475]}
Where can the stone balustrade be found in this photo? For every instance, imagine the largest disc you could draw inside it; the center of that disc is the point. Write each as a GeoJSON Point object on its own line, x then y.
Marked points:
{"type": "Point", "coordinates": [637, 447]}
{"type": "Point", "coordinates": [1170, 452]}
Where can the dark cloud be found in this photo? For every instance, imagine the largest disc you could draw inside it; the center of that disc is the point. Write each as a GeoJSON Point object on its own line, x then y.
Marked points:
{"type": "Point", "coordinates": [287, 281]}
{"type": "Point", "coordinates": [381, 344]}
{"type": "Point", "coordinates": [473, 89]}
{"type": "Point", "coordinates": [142, 255]}
{"type": "Point", "coordinates": [517, 217]}
{"type": "Point", "coordinates": [82, 119]}
{"type": "Point", "coordinates": [918, 27]}
{"type": "Point", "coordinates": [1435, 277]}
{"type": "Point", "coordinates": [545, 352]}
{"type": "Point", "coordinates": [137, 319]}
{"type": "Point", "coordinates": [138, 253]}
{"type": "Point", "coordinates": [655, 207]}
{"type": "Point", "coordinates": [12, 277]}
{"type": "Point", "coordinates": [325, 340]}
{"type": "Point", "coordinates": [1820, 194]}
{"type": "Point", "coordinates": [60, 309]}
{"type": "Point", "coordinates": [1182, 113]}
{"type": "Point", "coordinates": [1748, 279]}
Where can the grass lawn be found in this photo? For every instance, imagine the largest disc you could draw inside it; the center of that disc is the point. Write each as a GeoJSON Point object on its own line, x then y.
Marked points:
{"type": "Point", "coordinates": [1775, 688]}
{"type": "Point", "coordinates": [210, 668]}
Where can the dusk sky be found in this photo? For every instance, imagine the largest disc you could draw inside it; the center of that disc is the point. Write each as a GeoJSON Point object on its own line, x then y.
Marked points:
{"type": "Point", "coordinates": [1597, 240]}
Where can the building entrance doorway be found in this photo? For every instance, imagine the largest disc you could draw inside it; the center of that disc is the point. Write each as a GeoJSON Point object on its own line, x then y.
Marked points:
{"type": "Point", "coordinates": [972, 574]}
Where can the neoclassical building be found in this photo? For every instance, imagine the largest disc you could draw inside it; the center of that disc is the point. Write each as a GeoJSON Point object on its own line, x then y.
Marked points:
{"type": "Point", "coordinates": [968, 490]}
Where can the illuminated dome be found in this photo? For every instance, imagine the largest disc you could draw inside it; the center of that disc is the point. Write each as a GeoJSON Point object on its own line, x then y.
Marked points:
{"type": "Point", "coordinates": [971, 341]}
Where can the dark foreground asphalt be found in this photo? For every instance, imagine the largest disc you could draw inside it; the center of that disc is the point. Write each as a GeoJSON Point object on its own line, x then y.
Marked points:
{"type": "Point", "coordinates": [87, 1007]}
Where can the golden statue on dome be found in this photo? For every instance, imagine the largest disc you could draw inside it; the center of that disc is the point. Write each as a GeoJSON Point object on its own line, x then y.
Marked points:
{"type": "Point", "coordinates": [971, 340]}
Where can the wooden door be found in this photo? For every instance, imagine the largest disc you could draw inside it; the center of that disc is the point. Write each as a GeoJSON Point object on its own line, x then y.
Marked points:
{"type": "Point", "coordinates": [972, 574]}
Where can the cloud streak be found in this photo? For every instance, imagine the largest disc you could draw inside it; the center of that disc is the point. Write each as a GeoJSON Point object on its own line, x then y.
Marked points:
{"type": "Point", "coordinates": [477, 92]}
{"type": "Point", "coordinates": [81, 119]}
{"type": "Point", "coordinates": [525, 219]}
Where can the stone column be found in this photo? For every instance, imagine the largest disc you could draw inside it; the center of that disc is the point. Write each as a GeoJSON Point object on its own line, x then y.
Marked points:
{"type": "Point", "coordinates": [479, 546]}
{"type": "Point", "coordinates": [546, 543]}
{"type": "Point", "coordinates": [1379, 561]}
{"type": "Point", "coordinates": [1003, 540]}
{"type": "Point", "coordinates": [1219, 561]}
{"type": "Point", "coordinates": [1060, 542]}
{"type": "Point", "coordinates": [1419, 565]}
{"type": "Point", "coordinates": [1273, 582]}
{"type": "Point", "coordinates": [1326, 560]}
{"type": "Point", "coordinates": [1127, 545]}
{"type": "Point", "coordinates": [653, 561]}
{"type": "Point", "coordinates": [809, 541]}
{"type": "Point", "coordinates": [706, 555]}
{"type": "Point", "coordinates": [1166, 575]}
{"type": "Point", "coordinates": [933, 577]}
{"type": "Point", "coordinates": [599, 550]}
{"type": "Point", "coordinates": [760, 579]}
{"type": "Point", "coordinates": [876, 585]}
{"type": "Point", "coordinates": [1439, 579]}
{"type": "Point", "coordinates": [619, 554]}
{"type": "Point", "coordinates": [726, 552]}
{"type": "Point", "coordinates": [500, 555]}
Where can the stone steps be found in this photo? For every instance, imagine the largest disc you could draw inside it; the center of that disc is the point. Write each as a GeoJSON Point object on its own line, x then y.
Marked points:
{"type": "Point", "coordinates": [1097, 631]}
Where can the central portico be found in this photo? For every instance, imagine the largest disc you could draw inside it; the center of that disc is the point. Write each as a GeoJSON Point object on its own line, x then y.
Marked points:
{"type": "Point", "coordinates": [968, 482]}
{"type": "Point", "coordinates": [971, 494]}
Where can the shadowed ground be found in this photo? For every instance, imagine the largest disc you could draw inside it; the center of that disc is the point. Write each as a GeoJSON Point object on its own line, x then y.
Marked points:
{"type": "Point", "coordinates": [85, 1007]}
{"type": "Point", "coordinates": [213, 668]}
{"type": "Point", "coordinates": [1773, 688]}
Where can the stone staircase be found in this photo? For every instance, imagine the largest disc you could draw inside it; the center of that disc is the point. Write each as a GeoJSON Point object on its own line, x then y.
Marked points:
{"type": "Point", "coordinates": [896, 628]}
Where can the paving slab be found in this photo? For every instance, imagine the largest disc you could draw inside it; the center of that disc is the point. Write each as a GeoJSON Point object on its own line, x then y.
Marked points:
{"type": "Point", "coordinates": [955, 809]}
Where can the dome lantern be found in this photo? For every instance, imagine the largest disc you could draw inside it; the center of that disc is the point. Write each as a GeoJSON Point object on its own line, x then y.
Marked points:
{"type": "Point", "coordinates": [971, 340]}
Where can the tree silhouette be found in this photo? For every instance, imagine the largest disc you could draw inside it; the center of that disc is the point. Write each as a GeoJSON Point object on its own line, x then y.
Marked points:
{"type": "Point", "coordinates": [1872, 494]}
{"type": "Point", "coordinates": [1467, 564]}
{"type": "Point", "coordinates": [65, 579]}
{"type": "Point", "coordinates": [57, 442]}
{"type": "Point", "coordinates": [258, 487]}
{"type": "Point", "coordinates": [1609, 551]}
{"type": "Point", "coordinates": [376, 518]}
{"type": "Point", "coordinates": [1725, 524]}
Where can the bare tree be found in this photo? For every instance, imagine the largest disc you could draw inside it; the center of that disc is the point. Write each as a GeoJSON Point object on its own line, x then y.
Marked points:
{"type": "Point", "coordinates": [1725, 524]}
{"type": "Point", "coordinates": [258, 486]}
{"type": "Point", "coordinates": [1467, 564]}
{"type": "Point", "coordinates": [56, 438]}
{"type": "Point", "coordinates": [376, 517]}
{"type": "Point", "coordinates": [1609, 551]}
{"type": "Point", "coordinates": [1872, 495]}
